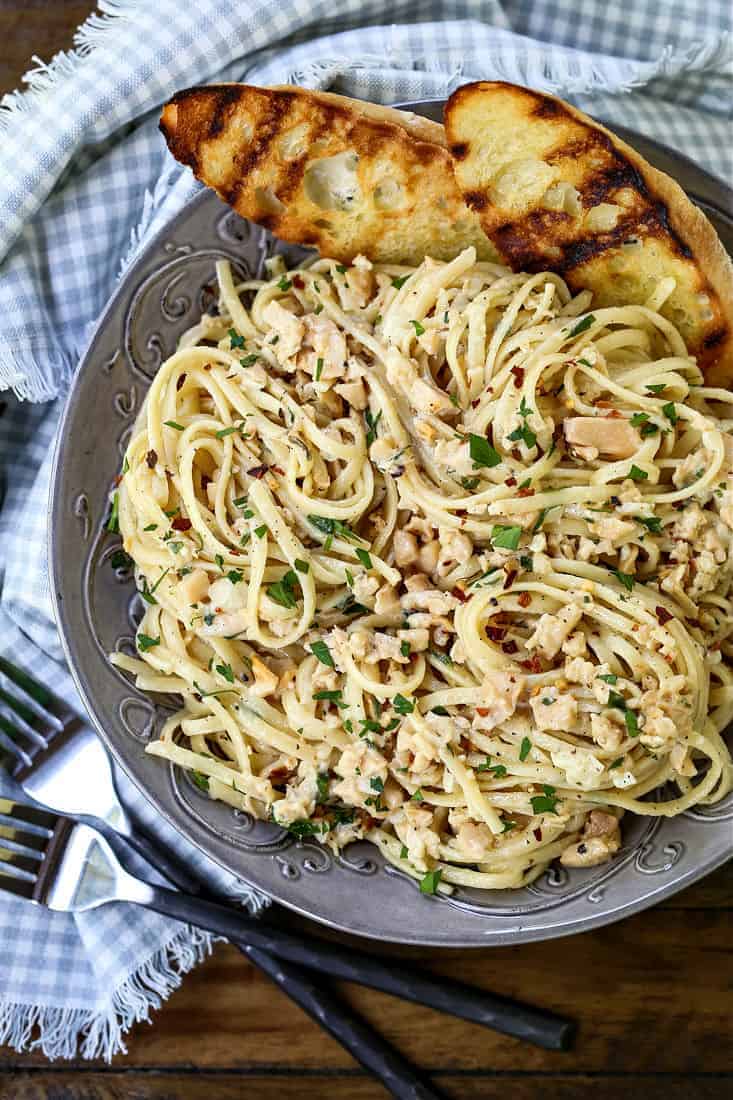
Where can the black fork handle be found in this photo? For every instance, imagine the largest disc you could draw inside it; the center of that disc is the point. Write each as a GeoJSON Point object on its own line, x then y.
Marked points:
{"type": "Point", "coordinates": [501, 1014]}
{"type": "Point", "coordinates": [337, 1018]}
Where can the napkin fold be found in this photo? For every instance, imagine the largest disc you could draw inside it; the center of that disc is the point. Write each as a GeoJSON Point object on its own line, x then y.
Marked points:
{"type": "Point", "coordinates": [86, 181]}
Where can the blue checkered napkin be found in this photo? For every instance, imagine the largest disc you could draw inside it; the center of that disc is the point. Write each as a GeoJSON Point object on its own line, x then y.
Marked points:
{"type": "Point", "coordinates": [85, 181]}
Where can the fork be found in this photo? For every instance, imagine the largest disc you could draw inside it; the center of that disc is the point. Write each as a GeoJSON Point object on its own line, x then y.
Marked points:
{"type": "Point", "coordinates": [59, 763]}
{"type": "Point", "coordinates": [41, 863]}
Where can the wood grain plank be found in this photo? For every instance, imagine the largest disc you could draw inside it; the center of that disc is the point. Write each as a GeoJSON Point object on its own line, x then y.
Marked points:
{"type": "Point", "coordinates": [29, 27]}
{"type": "Point", "coordinates": [651, 994]}
{"type": "Point", "coordinates": [133, 1086]}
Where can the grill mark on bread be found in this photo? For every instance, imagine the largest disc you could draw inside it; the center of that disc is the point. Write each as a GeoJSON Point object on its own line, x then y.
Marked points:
{"type": "Point", "coordinates": [222, 110]}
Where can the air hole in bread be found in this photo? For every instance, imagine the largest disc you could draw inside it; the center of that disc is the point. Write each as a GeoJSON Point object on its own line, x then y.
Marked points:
{"type": "Point", "coordinates": [294, 143]}
{"type": "Point", "coordinates": [602, 218]}
{"type": "Point", "coordinates": [267, 201]}
{"type": "Point", "coordinates": [388, 195]}
{"type": "Point", "coordinates": [522, 181]}
{"type": "Point", "coordinates": [332, 183]}
{"type": "Point", "coordinates": [562, 197]}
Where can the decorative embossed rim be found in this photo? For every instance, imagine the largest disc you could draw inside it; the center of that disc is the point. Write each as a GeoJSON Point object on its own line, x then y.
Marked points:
{"type": "Point", "coordinates": [94, 613]}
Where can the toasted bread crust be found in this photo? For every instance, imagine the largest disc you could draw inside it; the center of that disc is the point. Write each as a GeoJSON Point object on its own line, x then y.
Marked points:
{"type": "Point", "coordinates": [648, 228]}
{"type": "Point", "coordinates": [325, 171]}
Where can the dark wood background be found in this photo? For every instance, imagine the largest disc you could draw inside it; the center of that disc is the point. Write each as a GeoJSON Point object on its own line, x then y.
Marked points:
{"type": "Point", "coordinates": [653, 995]}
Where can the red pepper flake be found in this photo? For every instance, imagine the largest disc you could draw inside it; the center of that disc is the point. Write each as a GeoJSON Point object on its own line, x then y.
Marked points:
{"type": "Point", "coordinates": [459, 594]}
{"type": "Point", "coordinates": [483, 711]}
{"type": "Point", "coordinates": [205, 481]}
{"type": "Point", "coordinates": [152, 459]}
{"type": "Point", "coordinates": [663, 616]}
{"type": "Point", "coordinates": [258, 472]}
{"type": "Point", "coordinates": [279, 470]}
{"type": "Point", "coordinates": [181, 380]}
{"type": "Point", "coordinates": [524, 599]}
{"type": "Point", "coordinates": [475, 403]}
{"type": "Point", "coordinates": [525, 492]}
{"type": "Point", "coordinates": [537, 833]}
{"type": "Point", "coordinates": [297, 280]}
{"type": "Point", "coordinates": [207, 366]}
{"type": "Point", "coordinates": [510, 646]}
{"type": "Point", "coordinates": [533, 665]}
{"type": "Point", "coordinates": [237, 553]}
{"type": "Point", "coordinates": [118, 479]}
{"type": "Point", "coordinates": [496, 633]}
{"type": "Point", "coordinates": [181, 524]}
{"type": "Point", "coordinates": [511, 482]}
{"type": "Point", "coordinates": [518, 373]}
{"type": "Point", "coordinates": [613, 415]}
{"type": "Point", "coordinates": [511, 574]}
{"type": "Point", "coordinates": [516, 454]}
{"type": "Point", "coordinates": [601, 404]}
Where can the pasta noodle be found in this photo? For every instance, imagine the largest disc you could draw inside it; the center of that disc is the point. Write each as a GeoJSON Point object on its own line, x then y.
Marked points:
{"type": "Point", "coordinates": [439, 557]}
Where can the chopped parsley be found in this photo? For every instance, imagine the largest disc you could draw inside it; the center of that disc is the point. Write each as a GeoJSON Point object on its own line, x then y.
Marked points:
{"type": "Point", "coordinates": [403, 852]}
{"type": "Point", "coordinates": [248, 360]}
{"type": "Point", "coordinates": [329, 697]}
{"type": "Point", "coordinates": [323, 653]}
{"type": "Point", "coordinates": [364, 557]}
{"type": "Point", "coordinates": [670, 412]}
{"type": "Point", "coordinates": [638, 475]}
{"type": "Point", "coordinates": [523, 432]}
{"type": "Point", "coordinates": [417, 796]}
{"type": "Point", "coordinates": [322, 786]}
{"type": "Point", "coordinates": [481, 451]}
{"type": "Point", "coordinates": [333, 527]}
{"type": "Point", "coordinates": [545, 803]}
{"type": "Point", "coordinates": [419, 329]}
{"type": "Point", "coordinates": [429, 882]}
{"type": "Point", "coordinates": [582, 325]}
{"type": "Point", "coordinates": [284, 284]}
{"type": "Point", "coordinates": [284, 591]}
{"type": "Point", "coordinates": [224, 432]}
{"type": "Point", "coordinates": [235, 340]}
{"type": "Point", "coordinates": [652, 523]}
{"type": "Point", "coordinates": [657, 387]}
{"type": "Point", "coordinates": [626, 579]}
{"type": "Point", "coordinates": [235, 576]}
{"type": "Point", "coordinates": [399, 281]}
{"type": "Point", "coordinates": [227, 672]}
{"type": "Point", "coordinates": [201, 780]}
{"type": "Point", "coordinates": [113, 523]}
{"type": "Point", "coordinates": [440, 711]}
{"type": "Point", "coordinates": [261, 531]}
{"type": "Point", "coordinates": [507, 826]}
{"type": "Point", "coordinates": [405, 649]}
{"type": "Point", "coordinates": [402, 705]}
{"type": "Point", "coordinates": [120, 560]}
{"type": "Point", "coordinates": [319, 368]}
{"type": "Point", "coordinates": [470, 483]}
{"type": "Point", "coordinates": [371, 422]}
{"type": "Point", "coordinates": [505, 537]}
{"type": "Point", "coordinates": [524, 749]}
{"type": "Point", "coordinates": [301, 566]}
{"type": "Point", "coordinates": [632, 724]}
{"type": "Point", "coordinates": [638, 419]}
{"type": "Point", "coordinates": [145, 642]}
{"type": "Point", "coordinates": [174, 424]}
{"type": "Point", "coordinates": [609, 677]}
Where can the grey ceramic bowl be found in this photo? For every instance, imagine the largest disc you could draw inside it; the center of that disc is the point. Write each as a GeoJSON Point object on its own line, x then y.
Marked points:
{"type": "Point", "coordinates": [161, 295]}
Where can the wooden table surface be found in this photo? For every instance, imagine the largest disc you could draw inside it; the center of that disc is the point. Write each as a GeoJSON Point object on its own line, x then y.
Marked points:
{"type": "Point", "coordinates": [653, 995]}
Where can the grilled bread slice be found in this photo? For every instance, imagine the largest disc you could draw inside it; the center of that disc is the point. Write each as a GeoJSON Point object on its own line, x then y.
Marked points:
{"type": "Point", "coordinates": [556, 191]}
{"type": "Point", "coordinates": [322, 170]}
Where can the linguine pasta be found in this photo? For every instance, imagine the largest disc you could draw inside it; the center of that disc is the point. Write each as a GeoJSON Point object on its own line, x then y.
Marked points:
{"type": "Point", "coordinates": [438, 557]}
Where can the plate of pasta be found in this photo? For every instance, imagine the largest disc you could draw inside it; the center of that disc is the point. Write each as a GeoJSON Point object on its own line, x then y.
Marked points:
{"type": "Point", "coordinates": [404, 589]}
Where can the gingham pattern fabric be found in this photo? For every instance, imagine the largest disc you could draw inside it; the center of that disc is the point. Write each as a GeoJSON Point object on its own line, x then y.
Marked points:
{"type": "Point", "coordinates": [86, 180]}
